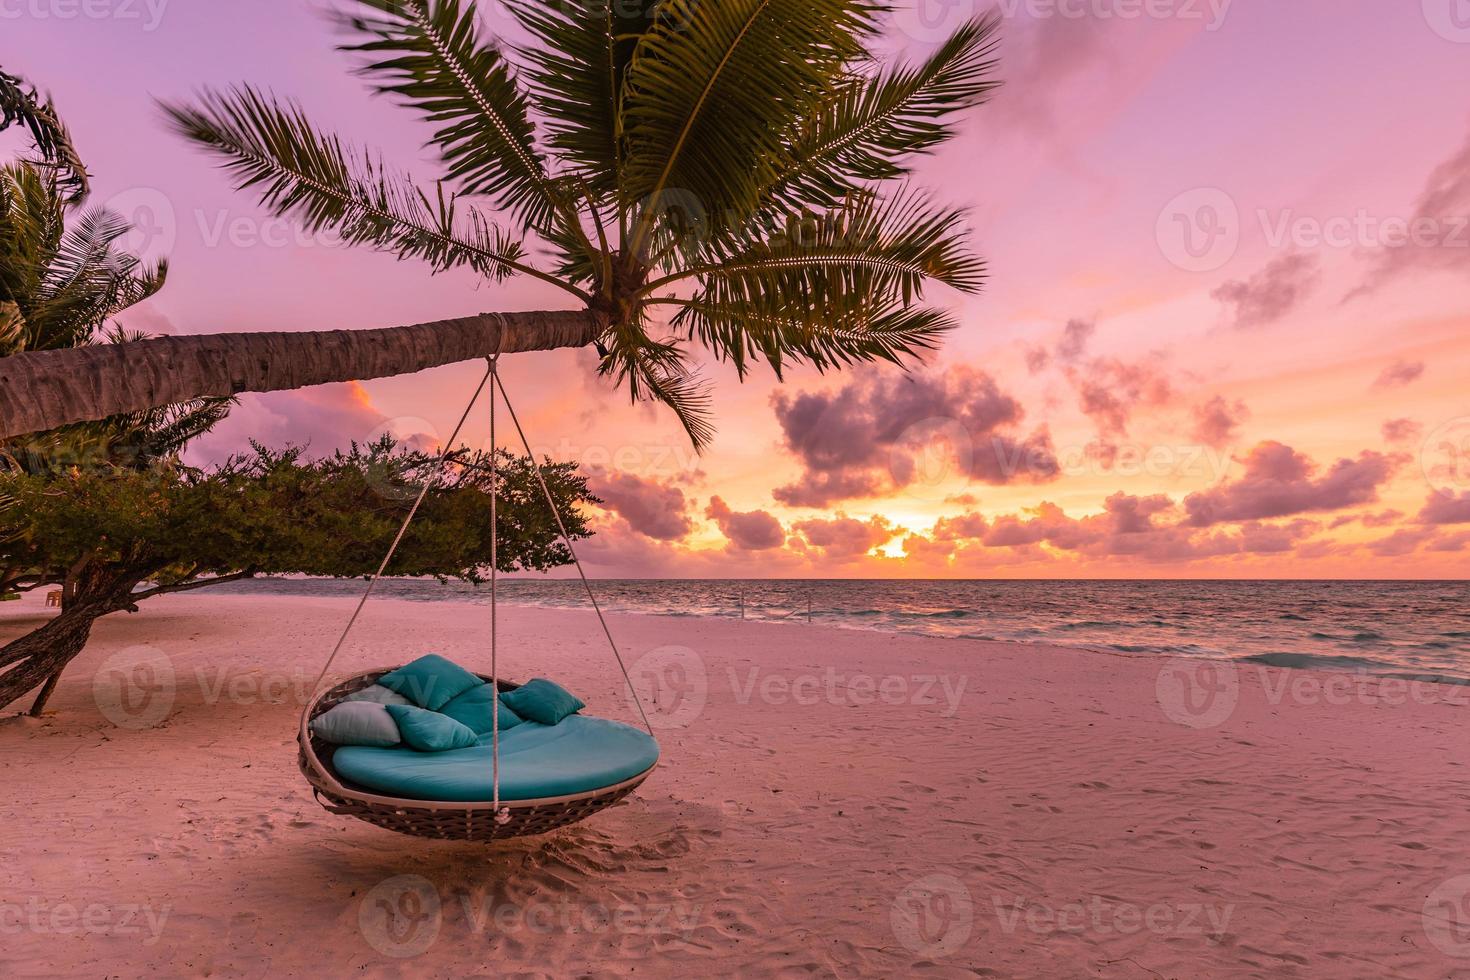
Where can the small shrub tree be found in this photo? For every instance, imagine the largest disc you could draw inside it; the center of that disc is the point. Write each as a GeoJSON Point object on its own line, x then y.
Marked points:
{"type": "Point", "coordinates": [119, 535]}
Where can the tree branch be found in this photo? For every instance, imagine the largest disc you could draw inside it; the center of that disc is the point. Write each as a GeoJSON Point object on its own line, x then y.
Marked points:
{"type": "Point", "coordinates": [138, 597]}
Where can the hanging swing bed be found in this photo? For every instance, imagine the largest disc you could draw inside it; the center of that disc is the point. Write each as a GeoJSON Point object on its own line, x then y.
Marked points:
{"type": "Point", "coordinates": [529, 779]}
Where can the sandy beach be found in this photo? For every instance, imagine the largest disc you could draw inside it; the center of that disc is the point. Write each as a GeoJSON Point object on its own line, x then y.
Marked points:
{"type": "Point", "coordinates": [828, 803]}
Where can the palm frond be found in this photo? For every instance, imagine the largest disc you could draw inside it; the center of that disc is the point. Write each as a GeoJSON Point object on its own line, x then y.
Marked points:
{"type": "Point", "coordinates": [842, 331]}
{"type": "Point", "coordinates": [868, 126]}
{"type": "Point", "coordinates": [429, 54]}
{"type": "Point", "coordinates": [576, 75]}
{"type": "Point", "coordinates": [12, 328]}
{"type": "Point", "coordinates": [868, 248]}
{"type": "Point", "coordinates": [299, 171]}
{"type": "Point", "coordinates": [32, 222]}
{"type": "Point", "coordinates": [713, 88]}
{"type": "Point", "coordinates": [54, 147]}
{"type": "Point", "coordinates": [657, 371]}
{"type": "Point", "coordinates": [66, 280]}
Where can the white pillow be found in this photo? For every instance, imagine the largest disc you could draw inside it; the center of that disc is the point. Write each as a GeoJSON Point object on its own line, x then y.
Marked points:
{"type": "Point", "coordinates": [357, 723]}
{"type": "Point", "coordinates": [378, 694]}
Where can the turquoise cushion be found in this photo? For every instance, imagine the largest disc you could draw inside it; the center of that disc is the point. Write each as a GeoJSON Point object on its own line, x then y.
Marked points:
{"type": "Point", "coordinates": [542, 700]}
{"type": "Point", "coordinates": [429, 731]}
{"type": "Point", "coordinates": [430, 681]}
{"type": "Point", "coordinates": [577, 756]}
{"type": "Point", "coordinates": [356, 723]}
{"type": "Point", "coordinates": [472, 709]}
{"type": "Point", "coordinates": [378, 694]}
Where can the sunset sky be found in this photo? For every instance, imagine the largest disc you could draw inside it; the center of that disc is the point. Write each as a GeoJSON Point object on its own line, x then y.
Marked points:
{"type": "Point", "coordinates": [1226, 331]}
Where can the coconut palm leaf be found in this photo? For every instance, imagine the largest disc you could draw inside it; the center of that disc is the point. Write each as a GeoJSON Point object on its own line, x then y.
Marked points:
{"type": "Point", "coordinates": [313, 176]}
{"type": "Point", "coordinates": [871, 124]}
{"type": "Point", "coordinates": [700, 112]}
{"type": "Point", "coordinates": [575, 75]}
{"type": "Point", "coordinates": [429, 54]}
{"type": "Point", "coordinates": [659, 370]}
{"type": "Point", "coordinates": [22, 105]}
{"type": "Point", "coordinates": [869, 250]}
{"type": "Point", "coordinates": [835, 333]}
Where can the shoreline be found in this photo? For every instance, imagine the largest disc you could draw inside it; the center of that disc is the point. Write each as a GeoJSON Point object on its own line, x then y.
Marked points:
{"type": "Point", "coordinates": [829, 801]}
{"type": "Point", "coordinates": [871, 618]}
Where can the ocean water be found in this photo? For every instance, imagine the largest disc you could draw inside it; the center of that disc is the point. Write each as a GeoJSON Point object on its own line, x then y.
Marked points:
{"type": "Point", "coordinates": [1419, 629]}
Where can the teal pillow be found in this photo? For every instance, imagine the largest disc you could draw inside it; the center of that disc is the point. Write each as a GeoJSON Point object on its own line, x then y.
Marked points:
{"type": "Point", "coordinates": [543, 701]}
{"type": "Point", "coordinates": [357, 723]}
{"type": "Point", "coordinates": [472, 709]}
{"type": "Point", "coordinates": [429, 731]}
{"type": "Point", "coordinates": [430, 681]}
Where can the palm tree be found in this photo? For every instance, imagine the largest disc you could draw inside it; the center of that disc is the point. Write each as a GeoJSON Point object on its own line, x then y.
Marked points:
{"type": "Point", "coordinates": [63, 281]}
{"type": "Point", "coordinates": [729, 174]}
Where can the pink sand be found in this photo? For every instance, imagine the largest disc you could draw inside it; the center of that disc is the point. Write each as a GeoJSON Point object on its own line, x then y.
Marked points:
{"type": "Point", "coordinates": [829, 802]}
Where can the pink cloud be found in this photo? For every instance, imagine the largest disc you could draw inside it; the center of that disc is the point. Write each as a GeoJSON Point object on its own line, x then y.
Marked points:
{"type": "Point", "coordinates": [1436, 236]}
{"type": "Point", "coordinates": [846, 537]}
{"type": "Point", "coordinates": [1401, 542]}
{"type": "Point", "coordinates": [323, 419]}
{"type": "Point", "coordinates": [1110, 391]}
{"type": "Point", "coordinates": [651, 508]}
{"type": "Point", "coordinates": [1144, 528]}
{"type": "Point", "coordinates": [865, 437]}
{"type": "Point", "coordinates": [754, 530]}
{"type": "Point", "coordinates": [1216, 421]}
{"type": "Point", "coordinates": [1400, 373]}
{"type": "Point", "coordinates": [1271, 293]}
{"type": "Point", "coordinates": [1400, 431]}
{"type": "Point", "coordinates": [1279, 482]}
{"type": "Point", "coordinates": [1445, 509]}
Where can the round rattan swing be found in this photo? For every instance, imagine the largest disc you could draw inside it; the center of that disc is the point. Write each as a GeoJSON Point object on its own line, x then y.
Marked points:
{"type": "Point", "coordinates": [492, 819]}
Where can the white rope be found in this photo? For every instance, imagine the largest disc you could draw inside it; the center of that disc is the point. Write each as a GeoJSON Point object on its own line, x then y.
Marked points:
{"type": "Point", "coordinates": [403, 528]}
{"type": "Point", "coordinates": [556, 513]}
{"type": "Point", "coordinates": [502, 814]}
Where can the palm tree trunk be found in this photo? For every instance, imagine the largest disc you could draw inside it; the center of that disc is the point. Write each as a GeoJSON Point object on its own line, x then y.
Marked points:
{"type": "Point", "coordinates": [44, 389]}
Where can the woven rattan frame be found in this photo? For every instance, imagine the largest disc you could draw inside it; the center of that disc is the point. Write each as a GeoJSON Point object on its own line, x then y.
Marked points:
{"type": "Point", "coordinates": [427, 818]}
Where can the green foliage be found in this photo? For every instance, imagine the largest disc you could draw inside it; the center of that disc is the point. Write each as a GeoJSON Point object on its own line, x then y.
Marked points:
{"type": "Point", "coordinates": [276, 512]}
{"type": "Point", "coordinates": [64, 278]}
{"type": "Point", "coordinates": [736, 165]}
{"type": "Point", "coordinates": [22, 105]}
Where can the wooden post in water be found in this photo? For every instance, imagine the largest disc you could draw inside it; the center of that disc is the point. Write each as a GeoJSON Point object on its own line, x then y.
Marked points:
{"type": "Point", "coordinates": [742, 603]}
{"type": "Point", "coordinates": [809, 608]}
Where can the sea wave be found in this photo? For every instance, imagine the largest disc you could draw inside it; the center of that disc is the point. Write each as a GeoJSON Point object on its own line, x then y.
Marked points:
{"type": "Point", "coordinates": [1419, 628]}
